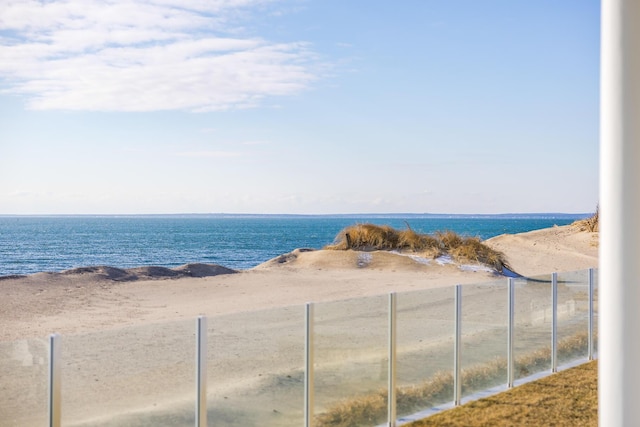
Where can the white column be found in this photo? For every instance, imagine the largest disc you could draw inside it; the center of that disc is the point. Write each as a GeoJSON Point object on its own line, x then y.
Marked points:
{"type": "Point", "coordinates": [619, 299]}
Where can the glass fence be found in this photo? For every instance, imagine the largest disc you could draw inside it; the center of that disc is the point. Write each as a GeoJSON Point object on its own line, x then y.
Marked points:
{"type": "Point", "coordinates": [368, 359]}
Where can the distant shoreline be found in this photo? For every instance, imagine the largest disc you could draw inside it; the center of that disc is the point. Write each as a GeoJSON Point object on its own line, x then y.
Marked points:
{"type": "Point", "coordinates": [543, 215]}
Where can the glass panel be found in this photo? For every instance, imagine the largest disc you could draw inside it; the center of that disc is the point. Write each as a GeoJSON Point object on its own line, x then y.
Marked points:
{"type": "Point", "coordinates": [484, 336]}
{"type": "Point", "coordinates": [573, 316]}
{"type": "Point", "coordinates": [351, 361]}
{"type": "Point", "coordinates": [137, 376]}
{"type": "Point", "coordinates": [24, 368]}
{"type": "Point", "coordinates": [256, 368]}
{"type": "Point", "coordinates": [425, 328]}
{"type": "Point", "coordinates": [533, 320]}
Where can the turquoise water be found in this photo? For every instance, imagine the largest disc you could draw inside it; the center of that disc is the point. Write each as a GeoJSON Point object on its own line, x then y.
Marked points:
{"type": "Point", "coordinates": [31, 244]}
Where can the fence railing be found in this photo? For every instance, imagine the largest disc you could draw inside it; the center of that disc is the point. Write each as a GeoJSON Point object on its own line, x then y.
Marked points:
{"type": "Point", "coordinates": [365, 361]}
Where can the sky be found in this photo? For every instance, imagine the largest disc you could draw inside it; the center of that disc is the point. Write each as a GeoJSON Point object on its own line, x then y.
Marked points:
{"type": "Point", "coordinates": [298, 106]}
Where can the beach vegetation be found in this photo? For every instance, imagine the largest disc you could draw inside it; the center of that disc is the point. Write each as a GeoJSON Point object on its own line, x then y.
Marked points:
{"type": "Point", "coordinates": [368, 237]}
{"type": "Point", "coordinates": [568, 398]}
{"type": "Point", "coordinates": [371, 409]}
{"type": "Point", "coordinates": [411, 240]}
{"type": "Point", "coordinates": [590, 224]}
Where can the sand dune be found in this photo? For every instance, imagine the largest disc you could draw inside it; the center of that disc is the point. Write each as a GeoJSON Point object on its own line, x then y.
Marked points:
{"type": "Point", "coordinates": [551, 249]}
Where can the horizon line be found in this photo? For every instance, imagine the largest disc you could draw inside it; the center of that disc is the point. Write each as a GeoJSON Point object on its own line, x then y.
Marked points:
{"type": "Point", "coordinates": [356, 214]}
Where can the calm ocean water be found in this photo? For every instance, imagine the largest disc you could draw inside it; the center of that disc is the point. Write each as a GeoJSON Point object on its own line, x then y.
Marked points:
{"type": "Point", "coordinates": [31, 244]}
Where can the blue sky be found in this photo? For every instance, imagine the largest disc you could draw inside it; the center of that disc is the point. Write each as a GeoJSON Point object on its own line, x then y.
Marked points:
{"type": "Point", "coordinates": [298, 106]}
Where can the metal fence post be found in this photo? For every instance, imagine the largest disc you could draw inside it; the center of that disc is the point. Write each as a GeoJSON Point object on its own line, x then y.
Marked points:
{"type": "Point", "coordinates": [54, 381]}
{"type": "Point", "coordinates": [201, 371]}
{"type": "Point", "coordinates": [590, 334]}
{"type": "Point", "coordinates": [510, 337]}
{"type": "Point", "coordinates": [308, 366]}
{"type": "Point", "coordinates": [457, 346]}
{"type": "Point", "coordinates": [554, 322]}
{"type": "Point", "coordinates": [391, 405]}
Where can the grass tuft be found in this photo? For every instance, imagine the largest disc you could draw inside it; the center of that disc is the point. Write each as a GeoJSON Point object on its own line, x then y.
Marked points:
{"type": "Point", "coordinates": [376, 237]}
{"type": "Point", "coordinates": [449, 239]}
{"type": "Point", "coordinates": [409, 239]}
{"type": "Point", "coordinates": [590, 224]}
{"type": "Point", "coordinates": [472, 249]}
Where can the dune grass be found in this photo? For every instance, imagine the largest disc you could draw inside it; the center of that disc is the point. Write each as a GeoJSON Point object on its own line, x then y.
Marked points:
{"type": "Point", "coordinates": [568, 398]}
{"type": "Point", "coordinates": [368, 237]}
{"type": "Point", "coordinates": [590, 224]}
{"type": "Point", "coordinates": [371, 409]}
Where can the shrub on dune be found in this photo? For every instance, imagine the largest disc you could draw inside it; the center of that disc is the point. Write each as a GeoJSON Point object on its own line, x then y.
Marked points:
{"type": "Point", "coordinates": [366, 236]}
{"type": "Point", "coordinates": [472, 249]}
{"type": "Point", "coordinates": [449, 239]}
{"type": "Point", "coordinates": [409, 239]}
{"type": "Point", "coordinates": [590, 224]}
{"type": "Point", "coordinates": [384, 237]}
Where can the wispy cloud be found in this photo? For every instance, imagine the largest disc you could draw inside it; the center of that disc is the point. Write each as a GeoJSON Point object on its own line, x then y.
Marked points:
{"type": "Point", "coordinates": [209, 154]}
{"type": "Point", "coordinates": [135, 55]}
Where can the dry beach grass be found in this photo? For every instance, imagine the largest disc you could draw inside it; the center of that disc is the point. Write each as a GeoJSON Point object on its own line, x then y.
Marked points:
{"type": "Point", "coordinates": [367, 237]}
{"type": "Point", "coordinates": [566, 399]}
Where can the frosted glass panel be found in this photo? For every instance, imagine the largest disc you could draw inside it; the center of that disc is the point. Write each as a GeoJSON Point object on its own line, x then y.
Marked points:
{"type": "Point", "coordinates": [256, 368]}
{"type": "Point", "coordinates": [484, 336]}
{"type": "Point", "coordinates": [24, 367]}
{"type": "Point", "coordinates": [351, 357]}
{"type": "Point", "coordinates": [533, 325]}
{"type": "Point", "coordinates": [425, 328]}
{"type": "Point", "coordinates": [137, 376]}
{"type": "Point", "coordinates": [573, 315]}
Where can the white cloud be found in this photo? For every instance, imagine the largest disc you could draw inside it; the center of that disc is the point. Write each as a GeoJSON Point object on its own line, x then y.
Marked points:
{"type": "Point", "coordinates": [140, 55]}
{"type": "Point", "coordinates": [209, 154]}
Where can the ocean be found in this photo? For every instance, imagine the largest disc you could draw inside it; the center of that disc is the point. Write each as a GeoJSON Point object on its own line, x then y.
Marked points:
{"type": "Point", "coordinates": [31, 244]}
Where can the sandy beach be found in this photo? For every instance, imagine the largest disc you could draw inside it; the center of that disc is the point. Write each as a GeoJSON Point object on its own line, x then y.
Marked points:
{"type": "Point", "coordinates": [90, 306]}
{"type": "Point", "coordinates": [44, 303]}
